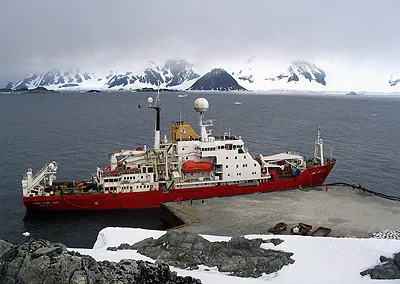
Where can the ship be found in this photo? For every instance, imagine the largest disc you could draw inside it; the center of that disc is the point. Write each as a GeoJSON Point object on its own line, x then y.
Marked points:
{"type": "Point", "coordinates": [188, 166]}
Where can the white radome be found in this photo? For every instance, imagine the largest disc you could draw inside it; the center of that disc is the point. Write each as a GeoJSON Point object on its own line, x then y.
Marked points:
{"type": "Point", "coordinates": [201, 105]}
{"type": "Point", "coordinates": [149, 100]}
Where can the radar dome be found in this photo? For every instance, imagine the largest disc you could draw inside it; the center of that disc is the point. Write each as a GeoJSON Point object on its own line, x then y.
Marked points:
{"type": "Point", "coordinates": [149, 100]}
{"type": "Point", "coordinates": [201, 105]}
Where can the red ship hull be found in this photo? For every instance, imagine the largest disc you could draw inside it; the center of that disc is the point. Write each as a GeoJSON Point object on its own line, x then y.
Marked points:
{"type": "Point", "coordinates": [314, 176]}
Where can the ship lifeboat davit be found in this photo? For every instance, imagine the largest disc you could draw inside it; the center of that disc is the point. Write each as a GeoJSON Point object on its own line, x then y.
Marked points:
{"type": "Point", "coordinates": [196, 167]}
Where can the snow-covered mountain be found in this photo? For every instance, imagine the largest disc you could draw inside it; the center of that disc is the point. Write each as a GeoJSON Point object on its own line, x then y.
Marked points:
{"type": "Point", "coordinates": [253, 75]}
{"type": "Point", "coordinates": [299, 75]}
{"type": "Point", "coordinates": [56, 79]}
{"type": "Point", "coordinates": [172, 73]}
{"type": "Point", "coordinates": [217, 79]}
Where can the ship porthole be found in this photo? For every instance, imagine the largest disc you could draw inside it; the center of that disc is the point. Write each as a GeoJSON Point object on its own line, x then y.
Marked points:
{"type": "Point", "coordinates": [96, 203]}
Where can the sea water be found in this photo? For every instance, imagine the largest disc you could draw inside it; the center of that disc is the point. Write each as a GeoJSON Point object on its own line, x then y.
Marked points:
{"type": "Point", "coordinates": [80, 130]}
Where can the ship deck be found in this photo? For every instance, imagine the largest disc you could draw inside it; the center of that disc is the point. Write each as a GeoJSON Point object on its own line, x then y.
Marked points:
{"type": "Point", "coordinates": [348, 212]}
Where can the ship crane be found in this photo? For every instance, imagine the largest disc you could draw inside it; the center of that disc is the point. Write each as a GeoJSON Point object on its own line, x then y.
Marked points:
{"type": "Point", "coordinates": [47, 175]}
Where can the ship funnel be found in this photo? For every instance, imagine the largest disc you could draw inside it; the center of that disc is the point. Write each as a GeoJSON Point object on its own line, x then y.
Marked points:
{"type": "Point", "coordinates": [157, 106]}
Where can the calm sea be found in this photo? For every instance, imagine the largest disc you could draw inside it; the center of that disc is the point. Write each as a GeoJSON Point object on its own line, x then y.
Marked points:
{"type": "Point", "coordinates": [79, 130]}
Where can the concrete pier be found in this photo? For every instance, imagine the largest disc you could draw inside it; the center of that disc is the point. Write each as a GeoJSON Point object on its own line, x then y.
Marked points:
{"type": "Point", "coordinates": [347, 211]}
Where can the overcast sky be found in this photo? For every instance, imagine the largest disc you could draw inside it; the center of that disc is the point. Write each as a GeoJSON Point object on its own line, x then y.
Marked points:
{"type": "Point", "coordinates": [42, 34]}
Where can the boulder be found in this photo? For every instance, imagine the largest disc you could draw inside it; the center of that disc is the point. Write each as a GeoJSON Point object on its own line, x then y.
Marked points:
{"type": "Point", "coordinates": [389, 269]}
{"type": "Point", "coordinates": [45, 262]}
{"type": "Point", "coordinates": [240, 256]}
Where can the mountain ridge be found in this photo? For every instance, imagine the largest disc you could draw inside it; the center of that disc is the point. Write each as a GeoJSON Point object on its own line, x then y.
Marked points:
{"type": "Point", "coordinates": [179, 74]}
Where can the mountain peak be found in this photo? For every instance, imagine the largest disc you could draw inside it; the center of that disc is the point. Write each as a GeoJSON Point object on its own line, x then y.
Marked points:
{"type": "Point", "coordinates": [394, 80]}
{"type": "Point", "coordinates": [217, 79]}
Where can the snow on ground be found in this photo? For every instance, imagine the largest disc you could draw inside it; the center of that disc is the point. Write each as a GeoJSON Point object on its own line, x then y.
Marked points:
{"type": "Point", "coordinates": [317, 260]}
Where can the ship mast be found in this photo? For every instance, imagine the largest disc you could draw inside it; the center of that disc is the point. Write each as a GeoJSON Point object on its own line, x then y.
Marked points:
{"type": "Point", "coordinates": [319, 143]}
{"type": "Point", "coordinates": [201, 105]}
{"type": "Point", "coordinates": [157, 106]}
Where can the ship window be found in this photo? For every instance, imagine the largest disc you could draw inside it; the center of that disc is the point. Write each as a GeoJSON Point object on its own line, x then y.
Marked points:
{"type": "Point", "coordinates": [244, 157]}
{"type": "Point", "coordinates": [237, 166]}
{"type": "Point", "coordinates": [229, 175]}
{"type": "Point", "coordinates": [235, 157]}
{"type": "Point", "coordinates": [141, 177]}
{"type": "Point", "coordinates": [226, 166]}
{"type": "Point", "coordinates": [234, 147]}
{"type": "Point", "coordinates": [144, 170]}
{"type": "Point", "coordinates": [150, 170]}
{"type": "Point", "coordinates": [227, 158]}
{"type": "Point", "coordinates": [219, 147]}
{"type": "Point", "coordinates": [222, 147]}
{"type": "Point", "coordinates": [183, 149]}
{"type": "Point", "coordinates": [254, 164]}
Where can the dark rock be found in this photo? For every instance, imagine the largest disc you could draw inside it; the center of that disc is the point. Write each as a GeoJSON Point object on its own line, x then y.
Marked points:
{"type": "Point", "coordinates": [124, 246]}
{"type": "Point", "coordinates": [394, 82]}
{"type": "Point", "coordinates": [217, 79]}
{"type": "Point", "coordinates": [384, 258]}
{"type": "Point", "coordinates": [275, 241]}
{"type": "Point", "coordinates": [69, 85]}
{"type": "Point", "coordinates": [145, 242]}
{"type": "Point", "coordinates": [44, 262]}
{"type": "Point", "coordinates": [112, 248]}
{"type": "Point", "coordinates": [240, 256]}
{"type": "Point", "coordinates": [397, 259]}
{"type": "Point", "coordinates": [4, 247]}
{"type": "Point", "coordinates": [390, 269]}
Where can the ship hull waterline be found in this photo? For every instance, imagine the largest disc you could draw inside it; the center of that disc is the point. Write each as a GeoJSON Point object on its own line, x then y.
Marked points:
{"type": "Point", "coordinates": [314, 176]}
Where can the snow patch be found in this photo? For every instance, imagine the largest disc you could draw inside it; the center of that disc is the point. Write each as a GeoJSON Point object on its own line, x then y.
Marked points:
{"type": "Point", "coordinates": [317, 259]}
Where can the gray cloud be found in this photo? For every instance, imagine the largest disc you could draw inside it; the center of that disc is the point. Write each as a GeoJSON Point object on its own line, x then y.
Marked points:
{"type": "Point", "coordinates": [38, 35]}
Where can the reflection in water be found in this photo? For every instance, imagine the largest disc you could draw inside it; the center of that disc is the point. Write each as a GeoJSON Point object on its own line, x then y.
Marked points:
{"type": "Point", "coordinates": [80, 228]}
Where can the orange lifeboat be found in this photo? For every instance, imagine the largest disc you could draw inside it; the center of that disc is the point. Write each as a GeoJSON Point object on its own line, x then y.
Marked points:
{"type": "Point", "coordinates": [196, 167]}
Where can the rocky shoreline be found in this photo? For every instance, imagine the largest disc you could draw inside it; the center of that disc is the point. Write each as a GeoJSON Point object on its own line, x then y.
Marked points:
{"type": "Point", "coordinates": [238, 257]}
{"type": "Point", "coordinates": [47, 263]}
{"type": "Point", "coordinates": [39, 261]}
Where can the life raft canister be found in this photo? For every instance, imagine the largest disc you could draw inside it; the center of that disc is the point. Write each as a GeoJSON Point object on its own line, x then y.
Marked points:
{"type": "Point", "coordinates": [191, 166]}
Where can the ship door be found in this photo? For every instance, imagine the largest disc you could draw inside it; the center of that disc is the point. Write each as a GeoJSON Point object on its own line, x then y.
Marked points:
{"type": "Point", "coordinates": [163, 187]}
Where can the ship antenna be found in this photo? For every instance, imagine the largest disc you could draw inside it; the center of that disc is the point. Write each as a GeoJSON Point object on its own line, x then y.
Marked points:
{"type": "Point", "coordinates": [157, 106]}
{"type": "Point", "coordinates": [201, 105]}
